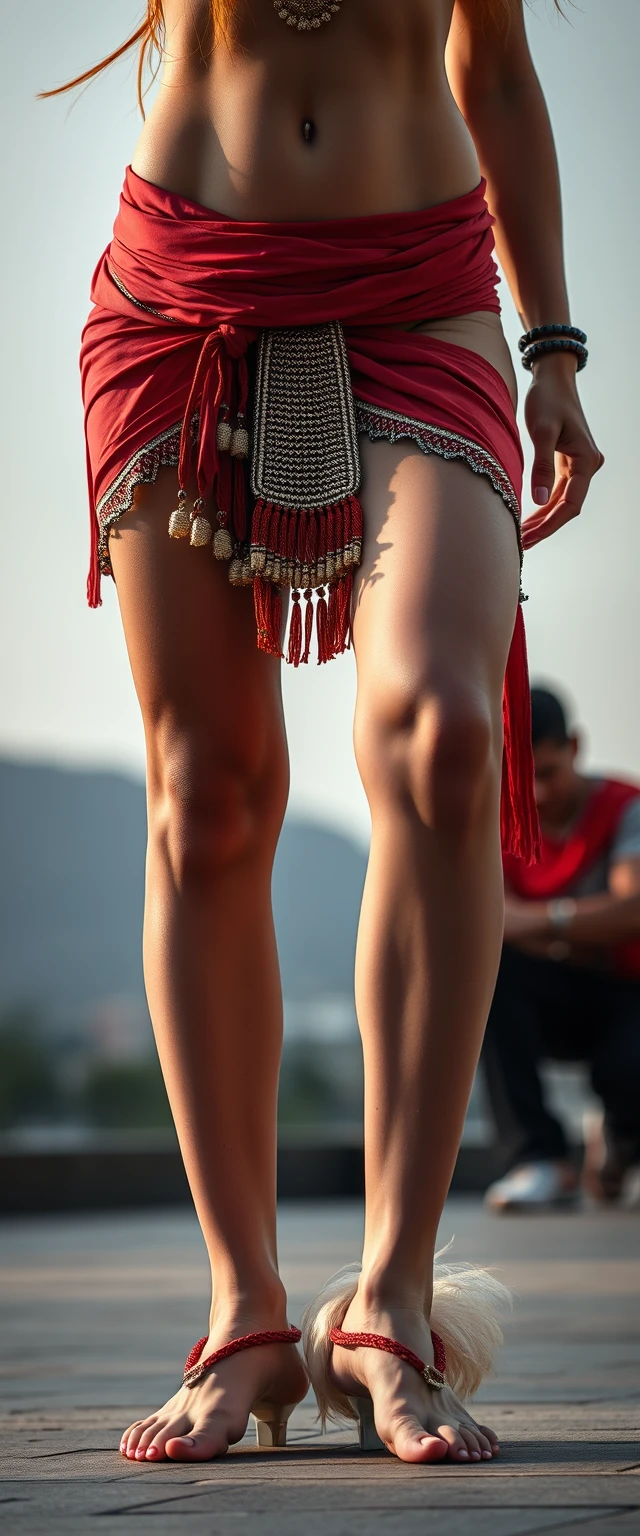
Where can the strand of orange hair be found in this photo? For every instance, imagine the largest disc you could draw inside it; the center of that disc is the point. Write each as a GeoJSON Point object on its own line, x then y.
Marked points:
{"type": "Point", "coordinates": [150, 35]}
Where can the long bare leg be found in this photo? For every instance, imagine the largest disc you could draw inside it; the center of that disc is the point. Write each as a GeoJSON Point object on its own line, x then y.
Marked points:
{"type": "Point", "coordinates": [217, 783]}
{"type": "Point", "coordinates": [433, 623]}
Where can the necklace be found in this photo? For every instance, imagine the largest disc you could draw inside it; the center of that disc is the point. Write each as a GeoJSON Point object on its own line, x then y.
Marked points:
{"type": "Point", "coordinates": [306, 14]}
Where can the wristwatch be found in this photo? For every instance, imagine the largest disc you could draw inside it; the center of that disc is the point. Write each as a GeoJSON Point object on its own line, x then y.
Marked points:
{"type": "Point", "coordinates": [560, 913]}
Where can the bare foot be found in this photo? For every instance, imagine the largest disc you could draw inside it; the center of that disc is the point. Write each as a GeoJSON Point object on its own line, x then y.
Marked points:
{"type": "Point", "coordinates": [202, 1421]}
{"type": "Point", "coordinates": [416, 1422]}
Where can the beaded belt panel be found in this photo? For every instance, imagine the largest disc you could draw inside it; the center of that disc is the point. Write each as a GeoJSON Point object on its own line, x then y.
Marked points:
{"type": "Point", "coordinates": [306, 525]}
{"type": "Point", "coordinates": [305, 448]}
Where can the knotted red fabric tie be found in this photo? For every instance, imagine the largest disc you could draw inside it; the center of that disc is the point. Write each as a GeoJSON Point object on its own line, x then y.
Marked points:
{"type": "Point", "coordinates": [434, 1375]}
{"type": "Point", "coordinates": [195, 1366]}
{"type": "Point", "coordinates": [218, 387]}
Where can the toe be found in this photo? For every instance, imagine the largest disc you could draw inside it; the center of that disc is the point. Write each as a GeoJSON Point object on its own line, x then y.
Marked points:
{"type": "Point", "coordinates": [206, 1440]}
{"type": "Point", "coordinates": [133, 1435]}
{"type": "Point", "coordinates": [411, 1442]}
{"type": "Point", "coordinates": [491, 1437]}
{"type": "Point", "coordinates": [484, 1443]}
{"type": "Point", "coordinates": [148, 1436]}
{"type": "Point", "coordinates": [458, 1448]}
{"type": "Point", "coordinates": [472, 1442]}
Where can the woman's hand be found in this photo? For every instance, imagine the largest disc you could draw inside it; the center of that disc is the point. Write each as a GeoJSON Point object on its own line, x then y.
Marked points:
{"type": "Point", "coordinates": [566, 457]}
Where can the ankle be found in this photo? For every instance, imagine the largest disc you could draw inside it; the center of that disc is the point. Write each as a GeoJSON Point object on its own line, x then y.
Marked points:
{"type": "Point", "coordinates": [248, 1306]}
{"type": "Point", "coordinates": [385, 1290]}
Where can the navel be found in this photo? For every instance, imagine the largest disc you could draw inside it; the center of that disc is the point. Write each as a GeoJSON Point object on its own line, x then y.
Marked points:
{"type": "Point", "coordinates": [309, 130]}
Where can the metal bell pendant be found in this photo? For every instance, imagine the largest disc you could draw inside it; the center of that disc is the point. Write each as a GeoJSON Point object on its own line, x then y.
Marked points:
{"type": "Point", "coordinates": [223, 434]}
{"type": "Point", "coordinates": [240, 440]}
{"type": "Point", "coordinates": [180, 521]}
{"type": "Point", "coordinates": [201, 529]}
{"type": "Point", "coordinates": [222, 545]}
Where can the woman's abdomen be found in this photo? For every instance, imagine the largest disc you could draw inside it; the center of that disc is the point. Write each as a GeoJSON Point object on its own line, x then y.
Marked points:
{"type": "Point", "coordinates": [384, 134]}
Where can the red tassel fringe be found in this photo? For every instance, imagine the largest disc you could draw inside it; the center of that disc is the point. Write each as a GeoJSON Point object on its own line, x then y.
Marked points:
{"type": "Point", "coordinates": [295, 632]}
{"type": "Point", "coordinates": [519, 824]}
{"type": "Point", "coordinates": [268, 604]}
{"type": "Point", "coordinates": [315, 550]}
{"type": "Point", "coordinates": [325, 651]}
{"type": "Point", "coordinates": [308, 625]}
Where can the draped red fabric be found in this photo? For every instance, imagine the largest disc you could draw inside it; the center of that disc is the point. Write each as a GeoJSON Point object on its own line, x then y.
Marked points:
{"type": "Point", "coordinates": [180, 293]}
{"type": "Point", "coordinates": [206, 275]}
{"type": "Point", "coordinates": [565, 860]}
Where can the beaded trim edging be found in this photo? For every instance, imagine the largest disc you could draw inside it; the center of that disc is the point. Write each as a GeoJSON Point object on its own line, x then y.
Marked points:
{"type": "Point", "coordinates": [163, 452]}
{"type": "Point", "coordinates": [393, 426]}
{"type": "Point", "coordinates": [143, 468]}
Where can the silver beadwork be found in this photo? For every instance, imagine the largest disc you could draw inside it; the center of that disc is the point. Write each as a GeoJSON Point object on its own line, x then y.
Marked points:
{"type": "Point", "coordinates": [305, 441]}
{"type": "Point", "coordinates": [306, 15]}
{"type": "Point", "coordinates": [392, 426]}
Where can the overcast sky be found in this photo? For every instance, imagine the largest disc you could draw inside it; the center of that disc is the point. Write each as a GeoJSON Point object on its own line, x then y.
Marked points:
{"type": "Point", "coordinates": [66, 693]}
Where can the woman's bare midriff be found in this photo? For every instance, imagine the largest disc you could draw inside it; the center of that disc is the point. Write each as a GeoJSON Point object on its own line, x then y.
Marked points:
{"type": "Point", "coordinates": [229, 126]}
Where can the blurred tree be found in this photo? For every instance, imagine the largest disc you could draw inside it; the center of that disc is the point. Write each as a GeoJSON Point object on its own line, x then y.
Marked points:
{"type": "Point", "coordinates": [126, 1095]}
{"type": "Point", "coordinates": [307, 1093]}
{"type": "Point", "coordinates": [28, 1086]}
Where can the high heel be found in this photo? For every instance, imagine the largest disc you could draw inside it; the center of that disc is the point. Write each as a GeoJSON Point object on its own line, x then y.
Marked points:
{"type": "Point", "coordinates": [368, 1436]}
{"type": "Point", "coordinates": [270, 1419]}
{"type": "Point", "coordinates": [465, 1311]}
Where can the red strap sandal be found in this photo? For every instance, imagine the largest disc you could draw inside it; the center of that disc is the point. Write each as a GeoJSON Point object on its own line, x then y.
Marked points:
{"type": "Point", "coordinates": [433, 1375]}
{"type": "Point", "coordinates": [271, 1419]}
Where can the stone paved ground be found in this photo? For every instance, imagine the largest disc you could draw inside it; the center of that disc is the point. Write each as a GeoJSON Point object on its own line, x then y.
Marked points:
{"type": "Point", "coordinates": [98, 1312]}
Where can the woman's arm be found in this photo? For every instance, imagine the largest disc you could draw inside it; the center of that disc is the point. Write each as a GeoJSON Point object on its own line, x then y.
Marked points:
{"type": "Point", "coordinates": [497, 90]}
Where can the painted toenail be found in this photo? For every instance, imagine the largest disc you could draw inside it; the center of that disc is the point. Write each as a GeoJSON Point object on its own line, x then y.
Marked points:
{"type": "Point", "coordinates": [463, 1455]}
{"type": "Point", "coordinates": [152, 1451]}
{"type": "Point", "coordinates": [475, 1455]}
{"type": "Point", "coordinates": [487, 1455]}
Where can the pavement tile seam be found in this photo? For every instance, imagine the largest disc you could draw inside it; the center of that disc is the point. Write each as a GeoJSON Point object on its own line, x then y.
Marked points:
{"type": "Point", "coordinates": [569, 1352]}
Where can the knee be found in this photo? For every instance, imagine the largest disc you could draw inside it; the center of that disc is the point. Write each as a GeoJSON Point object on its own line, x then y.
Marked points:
{"type": "Point", "coordinates": [211, 807]}
{"type": "Point", "coordinates": [436, 753]}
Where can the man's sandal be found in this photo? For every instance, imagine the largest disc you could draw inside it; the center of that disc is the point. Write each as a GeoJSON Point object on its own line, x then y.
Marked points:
{"type": "Point", "coordinates": [271, 1419]}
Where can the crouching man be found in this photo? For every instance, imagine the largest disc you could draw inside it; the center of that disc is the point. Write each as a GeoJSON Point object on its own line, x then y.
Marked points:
{"type": "Point", "coordinates": [569, 982]}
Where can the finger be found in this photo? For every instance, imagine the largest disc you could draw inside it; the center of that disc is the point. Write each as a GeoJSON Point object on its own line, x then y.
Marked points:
{"type": "Point", "coordinates": [543, 471]}
{"type": "Point", "coordinates": [546, 527]}
{"type": "Point", "coordinates": [541, 525]}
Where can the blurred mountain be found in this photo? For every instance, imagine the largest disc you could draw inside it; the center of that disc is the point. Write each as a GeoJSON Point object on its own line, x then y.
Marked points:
{"type": "Point", "coordinates": [72, 846]}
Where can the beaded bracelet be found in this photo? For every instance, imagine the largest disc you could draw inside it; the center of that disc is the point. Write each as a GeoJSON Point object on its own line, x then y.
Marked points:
{"type": "Point", "coordinates": [555, 344]}
{"type": "Point", "coordinates": [539, 332]}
